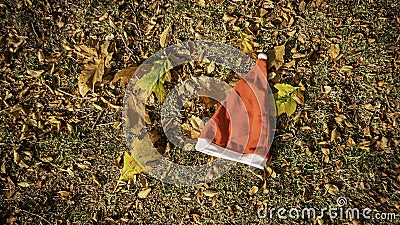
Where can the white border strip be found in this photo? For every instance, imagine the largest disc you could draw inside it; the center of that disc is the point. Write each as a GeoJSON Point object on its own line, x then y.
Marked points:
{"type": "Point", "coordinates": [212, 149]}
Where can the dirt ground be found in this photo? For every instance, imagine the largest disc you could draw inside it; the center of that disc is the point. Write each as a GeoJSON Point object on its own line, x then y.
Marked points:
{"type": "Point", "coordinates": [61, 152]}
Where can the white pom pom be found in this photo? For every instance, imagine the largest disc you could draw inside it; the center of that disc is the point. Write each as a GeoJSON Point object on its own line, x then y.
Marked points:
{"type": "Point", "coordinates": [262, 56]}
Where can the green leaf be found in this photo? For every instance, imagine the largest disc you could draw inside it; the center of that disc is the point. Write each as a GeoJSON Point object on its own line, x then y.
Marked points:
{"type": "Point", "coordinates": [286, 105]}
{"type": "Point", "coordinates": [131, 168]}
{"type": "Point", "coordinates": [153, 81]}
{"type": "Point", "coordinates": [159, 90]}
{"type": "Point", "coordinates": [284, 90]}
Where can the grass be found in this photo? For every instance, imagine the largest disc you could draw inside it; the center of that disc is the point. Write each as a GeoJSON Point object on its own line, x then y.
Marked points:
{"type": "Point", "coordinates": [366, 172]}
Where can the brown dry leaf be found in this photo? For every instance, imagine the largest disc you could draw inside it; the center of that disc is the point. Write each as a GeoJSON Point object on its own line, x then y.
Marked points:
{"type": "Point", "coordinates": [253, 190]}
{"type": "Point", "coordinates": [326, 151]}
{"type": "Point", "coordinates": [196, 123]}
{"type": "Point", "coordinates": [64, 193]}
{"type": "Point", "coordinates": [271, 172]}
{"type": "Point", "coordinates": [369, 106]}
{"type": "Point", "coordinates": [124, 75]}
{"type": "Point", "coordinates": [165, 36]}
{"type": "Point", "coordinates": [334, 51]}
{"type": "Point", "coordinates": [332, 189]}
{"type": "Point", "coordinates": [334, 134]}
{"type": "Point", "coordinates": [94, 68]}
{"type": "Point", "coordinates": [14, 42]}
{"type": "Point", "coordinates": [275, 57]}
{"type": "Point", "coordinates": [290, 64]}
{"type": "Point", "coordinates": [228, 18]}
{"type": "Point", "coordinates": [96, 180]}
{"type": "Point", "coordinates": [34, 73]}
{"type": "Point", "coordinates": [144, 193]}
{"type": "Point", "coordinates": [40, 56]}
{"type": "Point", "coordinates": [11, 188]}
{"type": "Point", "coordinates": [302, 6]}
{"type": "Point", "coordinates": [298, 55]}
{"type": "Point", "coordinates": [18, 160]}
{"type": "Point", "coordinates": [154, 136]}
{"type": "Point", "coordinates": [210, 193]}
{"type": "Point", "coordinates": [202, 3]}
{"type": "Point", "coordinates": [298, 96]}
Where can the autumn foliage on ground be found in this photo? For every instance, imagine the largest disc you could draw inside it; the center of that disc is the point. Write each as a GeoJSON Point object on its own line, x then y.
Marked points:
{"type": "Point", "coordinates": [333, 66]}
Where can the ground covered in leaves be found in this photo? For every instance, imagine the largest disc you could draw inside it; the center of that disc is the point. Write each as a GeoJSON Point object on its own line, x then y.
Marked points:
{"type": "Point", "coordinates": [61, 139]}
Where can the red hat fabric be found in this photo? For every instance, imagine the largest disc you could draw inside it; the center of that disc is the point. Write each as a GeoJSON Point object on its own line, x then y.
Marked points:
{"type": "Point", "coordinates": [240, 130]}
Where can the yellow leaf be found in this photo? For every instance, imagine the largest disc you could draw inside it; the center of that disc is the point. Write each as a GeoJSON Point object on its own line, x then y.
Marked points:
{"type": "Point", "coordinates": [246, 44]}
{"type": "Point", "coordinates": [286, 105]}
{"type": "Point", "coordinates": [275, 57]}
{"type": "Point", "coordinates": [285, 98]}
{"type": "Point", "coordinates": [130, 168]}
{"type": "Point", "coordinates": [155, 78]}
{"type": "Point", "coordinates": [24, 184]}
{"type": "Point", "coordinates": [164, 38]}
{"type": "Point", "coordinates": [285, 89]}
{"type": "Point", "coordinates": [144, 193]}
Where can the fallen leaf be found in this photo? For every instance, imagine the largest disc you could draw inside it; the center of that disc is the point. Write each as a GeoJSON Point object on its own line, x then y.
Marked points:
{"type": "Point", "coordinates": [284, 89]}
{"type": "Point", "coordinates": [290, 64]}
{"type": "Point", "coordinates": [144, 193]}
{"type": "Point", "coordinates": [298, 55]}
{"type": "Point", "coordinates": [253, 190]}
{"type": "Point", "coordinates": [275, 57]}
{"type": "Point", "coordinates": [153, 81]}
{"type": "Point", "coordinates": [302, 6]}
{"type": "Point", "coordinates": [34, 73]}
{"type": "Point", "coordinates": [24, 184]}
{"type": "Point", "coordinates": [40, 56]}
{"type": "Point", "coordinates": [286, 105]}
{"type": "Point", "coordinates": [202, 3]}
{"type": "Point", "coordinates": [284, 99]}
{"type": "Point", "coordinates": [64, 193]}
{"type": "Point", "coordinates": [130, 168]}
{"type": "Point", "coordinates": [369, 106]}
{"type": "Point", "coordinates": [197, 124]}
{"type": "Point", "coordinates": [124, 75]}
{"type": "Point", "coordinates": [94, 68]}
{"type": "Point", "coordinates": [332, 189]}
{"type": "Point", "coordinates": [327, 89]}
{"type": "Point", "coordinates": [211, 67]}
{"type": "Point", "coordinates": [334, 51]}
{"type": "Point", "coordinates": [165, 36]}
{"type": "Point", "coordinates": [246, 44]}
{"type": "Point", "coordinates": [210, 193]}
{"type": "Point", "coordinates": [228, 18]}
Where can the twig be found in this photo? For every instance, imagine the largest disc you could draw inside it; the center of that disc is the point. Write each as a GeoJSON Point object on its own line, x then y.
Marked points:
{"type": "Point", "coordinates": [126, 46]}
{"type": "Point", "coordinates": [97, 119]}
{"type": "Point", "coordinates": [66, 93]}
{"type": "Point", "coordinates": [33, 214]}
{"type": "Point", "coordinates": [105, 124]}
{"type": "Point", "coordinates": [34, 31]}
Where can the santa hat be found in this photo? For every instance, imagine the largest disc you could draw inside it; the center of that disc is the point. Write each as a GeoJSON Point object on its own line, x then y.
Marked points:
{"type": "Point", "coordinates": [242, 128]}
